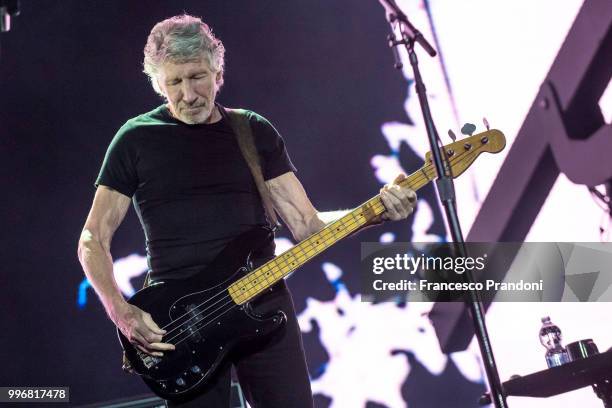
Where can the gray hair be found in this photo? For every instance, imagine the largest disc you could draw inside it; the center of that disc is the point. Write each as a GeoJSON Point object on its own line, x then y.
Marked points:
{"type": "Point", "coordinates": [182, 39]}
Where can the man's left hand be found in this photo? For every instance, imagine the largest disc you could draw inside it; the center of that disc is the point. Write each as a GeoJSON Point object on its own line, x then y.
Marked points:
{"type": "Point", "coordinates": [399, 201]}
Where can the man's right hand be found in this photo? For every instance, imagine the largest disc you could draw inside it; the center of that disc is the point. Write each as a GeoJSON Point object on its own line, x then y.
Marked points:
{"type": "Point", "coordinates": [140, 329]}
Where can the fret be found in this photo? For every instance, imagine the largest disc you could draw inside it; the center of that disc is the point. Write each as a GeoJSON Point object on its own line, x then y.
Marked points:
{"type": "Point", "coordinates": [309, 244]}
{"type": "Point", "coordinates": [295, 261]}
{"type": "Point", "coordinates": [279, 263]}
{"type": "Point", "coordinates": [266, 274]}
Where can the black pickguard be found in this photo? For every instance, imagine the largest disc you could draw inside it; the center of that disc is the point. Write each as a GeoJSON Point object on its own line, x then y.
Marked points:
{"type": "Point", "coordinates": [204, 324]}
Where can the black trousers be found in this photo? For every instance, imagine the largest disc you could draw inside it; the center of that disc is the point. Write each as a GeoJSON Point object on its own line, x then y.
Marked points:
{"type": "Point", "coordinates": [272, 372]}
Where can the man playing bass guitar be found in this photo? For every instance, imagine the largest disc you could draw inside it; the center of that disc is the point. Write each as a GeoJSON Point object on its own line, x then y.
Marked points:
{"type": "Point", "coordinates": [193, 192]}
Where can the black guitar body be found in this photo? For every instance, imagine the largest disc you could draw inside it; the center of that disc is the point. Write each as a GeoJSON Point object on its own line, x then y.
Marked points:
{"type": "Point", "coordinates": [204, 324]}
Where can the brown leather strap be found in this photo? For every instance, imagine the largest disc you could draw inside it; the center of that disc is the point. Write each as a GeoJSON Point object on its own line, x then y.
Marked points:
{"type": "Point", "coordinates": [239, 121]}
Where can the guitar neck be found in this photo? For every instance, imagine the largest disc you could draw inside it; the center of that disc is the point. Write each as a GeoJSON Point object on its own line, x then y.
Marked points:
{"type": "Point", "coordinates": [278, 268]}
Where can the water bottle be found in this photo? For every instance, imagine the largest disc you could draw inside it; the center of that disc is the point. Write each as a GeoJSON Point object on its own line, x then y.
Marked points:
{"type": "Point", "coordinates": [550, 337]}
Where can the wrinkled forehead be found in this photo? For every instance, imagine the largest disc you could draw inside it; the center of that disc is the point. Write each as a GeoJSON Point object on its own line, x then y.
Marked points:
{"type": "Point", "coordinates": [181, 68]}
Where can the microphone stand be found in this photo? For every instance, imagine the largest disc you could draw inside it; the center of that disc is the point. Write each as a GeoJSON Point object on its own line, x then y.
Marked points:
{"type": "Point", "coordinates": [445, 187]}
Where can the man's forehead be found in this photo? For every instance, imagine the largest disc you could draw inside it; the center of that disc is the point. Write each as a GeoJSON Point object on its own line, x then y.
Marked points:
{"type": "Point", "coordinates": [183, 67]}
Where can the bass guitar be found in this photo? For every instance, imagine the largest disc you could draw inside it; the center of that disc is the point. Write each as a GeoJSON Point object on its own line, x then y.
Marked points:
{"type": "Point", "coordinates": [205, 323]}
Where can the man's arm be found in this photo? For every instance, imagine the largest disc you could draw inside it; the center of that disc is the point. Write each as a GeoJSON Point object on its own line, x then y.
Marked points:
{"type": "Point", "coordinates": [107, 212]}
{"type": "Point", "coordinates": [302, 218]}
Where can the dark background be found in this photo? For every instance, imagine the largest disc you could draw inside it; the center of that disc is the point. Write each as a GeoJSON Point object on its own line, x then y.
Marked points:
{"type": "Point", "coordinates": [70, 76]}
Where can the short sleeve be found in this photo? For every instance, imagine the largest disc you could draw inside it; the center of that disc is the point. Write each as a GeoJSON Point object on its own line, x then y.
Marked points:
{"type": "Point", "coordinates": [119, 167]}
{"type": "Point", "coordinates": [271, 148]}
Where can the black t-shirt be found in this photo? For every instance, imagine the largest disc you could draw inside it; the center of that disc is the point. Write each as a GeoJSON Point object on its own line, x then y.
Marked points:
{"type": "Point", "coordinates": [190, 185]}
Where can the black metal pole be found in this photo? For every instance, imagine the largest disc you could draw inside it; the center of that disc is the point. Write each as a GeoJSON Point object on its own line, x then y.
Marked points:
{"type": "Point", "coordinates": [446, 194]}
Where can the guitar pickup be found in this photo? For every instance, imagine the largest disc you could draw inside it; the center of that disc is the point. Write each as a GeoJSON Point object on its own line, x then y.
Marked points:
{"type": "Point", "coordinates": [194, 334]}
{"type": "Point", "coordinates": [195, 316]}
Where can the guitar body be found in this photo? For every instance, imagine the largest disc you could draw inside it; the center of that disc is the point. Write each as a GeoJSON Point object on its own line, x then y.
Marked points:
{"type": "Point", "coordinates": [201, 320]}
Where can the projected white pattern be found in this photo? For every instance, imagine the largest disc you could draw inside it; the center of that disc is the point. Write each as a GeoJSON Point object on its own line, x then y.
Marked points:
{"type": "Point", "coordinates": [362, 339]}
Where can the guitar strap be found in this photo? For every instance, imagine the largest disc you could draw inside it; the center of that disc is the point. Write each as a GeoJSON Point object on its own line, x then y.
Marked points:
{"type": "Point", "coordinates": [239, 122]}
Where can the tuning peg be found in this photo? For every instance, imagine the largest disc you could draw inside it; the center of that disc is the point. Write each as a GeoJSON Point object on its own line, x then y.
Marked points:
{"type": "Point", "coordinates": [468, 129]}
{"type": "Point", "coordinates": [486, 123]}
{"type": "Point", "coordinates": [452, 135]}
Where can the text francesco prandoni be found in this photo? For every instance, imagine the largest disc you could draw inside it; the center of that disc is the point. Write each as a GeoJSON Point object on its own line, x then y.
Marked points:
{"type": "Point", "coordinates": [391, 271]}
{"type": "Point", "coordinates": [411, 264]}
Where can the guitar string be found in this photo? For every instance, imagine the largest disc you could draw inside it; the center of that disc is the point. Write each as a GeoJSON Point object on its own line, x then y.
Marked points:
{"type": "Point", "coordinates": [199, 325]}
{"type": "Point", "coordinates": [273, 270]}
{"type": "Point", "coordinates": [224, 291]}
{"type": "Point", "coordinates": [203, 326]}
{"type": "Point", "coordinates": [306, 252]}
{"type": "Point", "coordinates": [460, 157]}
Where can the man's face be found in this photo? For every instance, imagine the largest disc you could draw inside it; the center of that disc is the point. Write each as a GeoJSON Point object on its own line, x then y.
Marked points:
{"type": "Point", "coordinates": [190, 88]}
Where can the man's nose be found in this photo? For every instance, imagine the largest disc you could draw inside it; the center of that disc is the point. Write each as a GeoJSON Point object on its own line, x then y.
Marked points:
{"type": "Point", "coordinates": [189, 94]}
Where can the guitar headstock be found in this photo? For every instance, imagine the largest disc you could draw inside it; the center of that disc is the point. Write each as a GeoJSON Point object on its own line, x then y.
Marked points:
{"type": "Point", "coordinates": [462, 153]}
